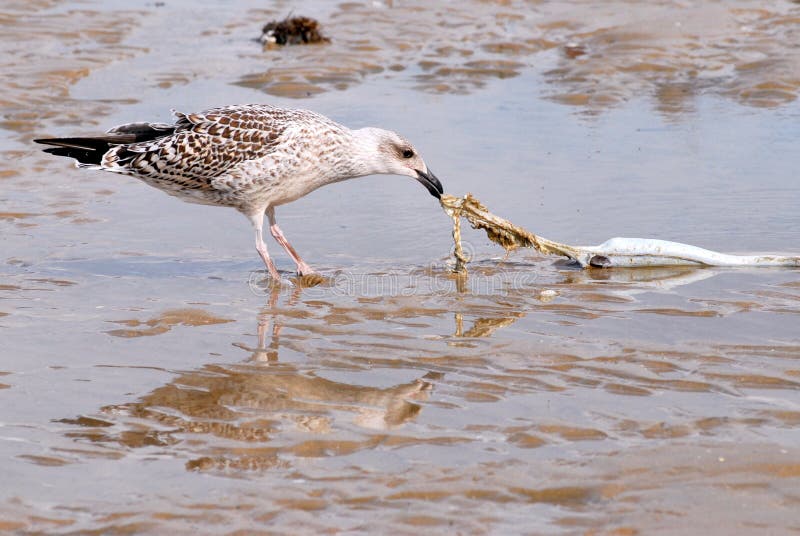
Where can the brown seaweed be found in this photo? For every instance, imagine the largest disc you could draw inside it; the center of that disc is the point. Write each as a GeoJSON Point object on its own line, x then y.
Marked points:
{"type": "Point", "coordinates": [293, 31]}
{"type": "Point", "coordinates": [500, 231]}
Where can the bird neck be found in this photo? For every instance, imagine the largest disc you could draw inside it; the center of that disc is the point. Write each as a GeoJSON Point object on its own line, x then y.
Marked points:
{"type": "Point", "coordinates": [364, 154]}
{"type": "Point", "coordinates": [353, 153]}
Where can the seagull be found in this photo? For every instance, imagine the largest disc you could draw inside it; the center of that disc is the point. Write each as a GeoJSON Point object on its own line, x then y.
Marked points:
{"type": "Point", "coordinates": [251, 157]}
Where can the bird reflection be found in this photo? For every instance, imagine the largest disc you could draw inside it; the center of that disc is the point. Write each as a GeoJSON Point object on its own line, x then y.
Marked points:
{"type": "Point", "coordinates": [266, 406]}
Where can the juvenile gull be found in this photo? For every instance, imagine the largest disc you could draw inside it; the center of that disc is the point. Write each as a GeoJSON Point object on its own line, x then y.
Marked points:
{"type": "Point", "coordinates": [251, 157]}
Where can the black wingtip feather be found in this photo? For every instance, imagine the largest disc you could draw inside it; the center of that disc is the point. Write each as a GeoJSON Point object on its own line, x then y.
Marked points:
{"type": "Point", "coordinates": [88, 143]}
{"type": "Point", "coordinates": [90, 150]}
{"type": "Point", "coordinates": [87, 151]}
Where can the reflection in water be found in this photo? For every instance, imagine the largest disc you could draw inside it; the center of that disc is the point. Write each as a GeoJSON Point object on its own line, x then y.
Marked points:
{"type": "Point", "coordinates": [630, 282]}
{"type": "Point", "coordinates": [259, 405]}
{"type": "Point", "coordinates": [269, 408]}
{"type": "Point", "coordinates": [484, 327]}
{"type": "Point", "coordinates": [644, 279]}
{"type": "Point", "coordinates": [332, 408]}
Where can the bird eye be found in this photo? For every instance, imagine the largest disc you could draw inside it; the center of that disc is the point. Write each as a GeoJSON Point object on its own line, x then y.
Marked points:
{"type": "Point", "coordinates": [408, 153]}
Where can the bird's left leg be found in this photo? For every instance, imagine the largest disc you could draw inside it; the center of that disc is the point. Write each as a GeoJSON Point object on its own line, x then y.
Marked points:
{"type": "Point", "coordinates": [257, 219]}
{"type": "Point", "coordinates": [277, 234]}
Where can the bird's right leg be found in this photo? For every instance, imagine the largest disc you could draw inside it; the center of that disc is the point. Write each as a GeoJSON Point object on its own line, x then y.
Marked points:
{"type": "Point", "coordinates": [257, 219]}
{"type": "Point", "coordinates": [302, 267]}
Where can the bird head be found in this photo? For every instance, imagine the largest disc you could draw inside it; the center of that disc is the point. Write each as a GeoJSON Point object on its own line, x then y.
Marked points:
{"type": "Point", "coordinates": [396, 156]}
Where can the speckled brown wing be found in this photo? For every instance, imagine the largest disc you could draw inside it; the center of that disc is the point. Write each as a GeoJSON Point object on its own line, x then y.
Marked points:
{"type": "Point", "coordinates": [203, 145]}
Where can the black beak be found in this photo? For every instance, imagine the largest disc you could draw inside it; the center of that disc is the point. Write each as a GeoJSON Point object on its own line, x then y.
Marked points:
{"type": "Point", "coordinates": [429, 181]}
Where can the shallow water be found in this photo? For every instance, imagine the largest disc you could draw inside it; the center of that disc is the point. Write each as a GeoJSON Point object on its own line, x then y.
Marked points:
{"type": "Point", "coordinates": [151, 381]}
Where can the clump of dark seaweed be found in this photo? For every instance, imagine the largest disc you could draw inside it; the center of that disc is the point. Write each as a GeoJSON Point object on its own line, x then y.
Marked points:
{"type": "Point", "coordinates": [292, 31]}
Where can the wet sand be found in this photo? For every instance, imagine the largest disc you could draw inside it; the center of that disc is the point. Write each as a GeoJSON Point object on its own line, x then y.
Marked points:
{"type": "Point", "coordinates": [151, 380]}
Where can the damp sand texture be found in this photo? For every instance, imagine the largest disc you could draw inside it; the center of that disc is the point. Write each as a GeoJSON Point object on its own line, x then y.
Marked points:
{"type": "Point", "coordinates": [152, 381]}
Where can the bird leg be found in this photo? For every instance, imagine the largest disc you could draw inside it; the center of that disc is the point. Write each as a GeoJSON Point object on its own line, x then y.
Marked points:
{"type": "Point", "coordinates": [277, 234]}
{"type": "Point", "coordinates": [258, 223]}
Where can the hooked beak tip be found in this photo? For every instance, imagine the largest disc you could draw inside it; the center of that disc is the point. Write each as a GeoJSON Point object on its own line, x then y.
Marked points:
{"type": "Point", "coordinates": [429, 181]}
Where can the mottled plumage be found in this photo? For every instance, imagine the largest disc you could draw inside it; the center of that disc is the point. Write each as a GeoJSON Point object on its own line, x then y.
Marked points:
{"type": "Point", "coordinates": [250, 157]}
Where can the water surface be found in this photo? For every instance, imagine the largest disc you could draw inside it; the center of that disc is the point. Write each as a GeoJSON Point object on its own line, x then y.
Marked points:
{"type": "Point", "coordinates": [151, 381]}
